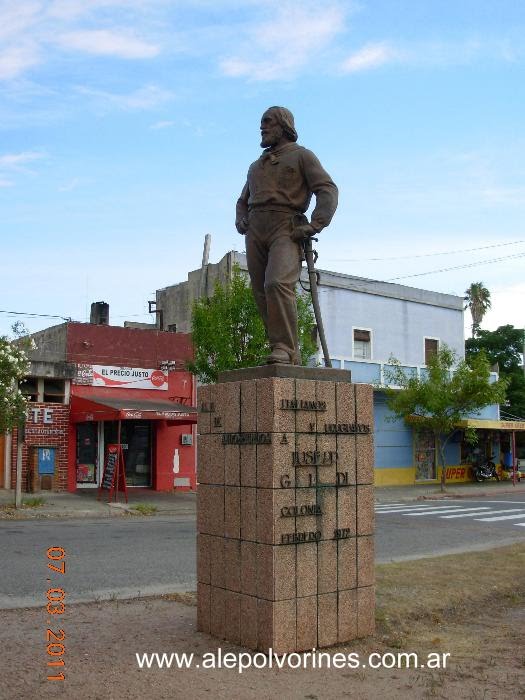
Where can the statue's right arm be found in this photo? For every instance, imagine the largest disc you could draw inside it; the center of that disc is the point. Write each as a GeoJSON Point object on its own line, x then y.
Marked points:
{"type": "Point", "coordinates": [241, 217]}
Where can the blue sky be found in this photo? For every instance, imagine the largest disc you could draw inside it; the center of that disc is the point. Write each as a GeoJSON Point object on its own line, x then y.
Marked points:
{"type": "Point", "coordinates": [127, 127]}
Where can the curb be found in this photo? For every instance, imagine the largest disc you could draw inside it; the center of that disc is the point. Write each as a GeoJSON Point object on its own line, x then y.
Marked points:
{"type": "Point", "coordinates": [442, 496]}
{"type": "Point", "coordinates": [385, 496]}
{"type": "Point", "coordinates": [115, 510]}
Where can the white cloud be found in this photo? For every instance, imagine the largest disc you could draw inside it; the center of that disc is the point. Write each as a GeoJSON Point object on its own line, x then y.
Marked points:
{"type": "Point", "coordinates": [69, 186]}
{"type": "Point", "coordinates": [12, 163]}
{"type": "Point", "coordinates": [74, 9]}
{"type": "Point", "coordinates": [503, 195]}
{"type": "Point", "coordinates": [507, 305]}
{"type": "Point", "coordinates": [370, 56]}
{"type": "Point", "coordinates": [430, 53]}
{"type": "Point", "coordinates": [17, 17]}
{"type": "Point", "coordinates": [16, 161]}
{"type": "Point", "coordinates": [492, 176]}
{"type": "Point", "coordinates": [103, 42]}
{"type": "Point", "coordinates": [146, 97]}
{"type": "Point", "coordinates": [162, 125]}
{"type": "Point", "coordinates": [15, 60]}
{"type": "Point", "coordinates": [279, 47]}
{"type": "Point", "coordinates": [237, 67]}
{"type": "Point", "coordinates": [30, 29]}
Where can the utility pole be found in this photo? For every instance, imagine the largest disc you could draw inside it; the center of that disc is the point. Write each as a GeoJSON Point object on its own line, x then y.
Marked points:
{"type": "Point", "coordinates": [21, 438]}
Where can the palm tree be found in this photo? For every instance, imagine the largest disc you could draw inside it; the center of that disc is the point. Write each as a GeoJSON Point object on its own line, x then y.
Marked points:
{"type": "Point", "coordinates": [478, 301]}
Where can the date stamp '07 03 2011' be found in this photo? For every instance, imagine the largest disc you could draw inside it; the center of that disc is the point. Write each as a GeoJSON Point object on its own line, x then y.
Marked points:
{"type": "Point", "coordinates": [56, 606]}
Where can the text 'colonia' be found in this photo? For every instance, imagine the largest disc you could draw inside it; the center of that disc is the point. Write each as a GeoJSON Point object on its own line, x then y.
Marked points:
{"type": "Point", "coordinates": [297, 511]}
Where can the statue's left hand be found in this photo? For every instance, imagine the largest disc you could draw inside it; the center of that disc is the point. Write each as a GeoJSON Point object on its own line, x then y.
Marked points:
{"type": "Point", "coordinates": [303, 231]}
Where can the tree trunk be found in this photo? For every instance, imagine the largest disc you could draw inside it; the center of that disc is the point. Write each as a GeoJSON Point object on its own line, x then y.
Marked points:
{"type": "Point", "coordinates": [20, 439]}
{"type": "Point", "coordinates": [441, 447]}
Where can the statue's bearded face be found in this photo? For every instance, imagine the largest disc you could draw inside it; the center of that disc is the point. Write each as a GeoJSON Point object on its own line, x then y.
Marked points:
{"type": "Point", "coordinates": [272, 132]}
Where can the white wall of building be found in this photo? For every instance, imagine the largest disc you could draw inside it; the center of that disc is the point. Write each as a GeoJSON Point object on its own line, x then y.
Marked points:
{"type": "Point", "coordinates": [398, 317]}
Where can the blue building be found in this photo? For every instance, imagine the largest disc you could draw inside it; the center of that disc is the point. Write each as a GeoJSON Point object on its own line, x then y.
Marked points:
{"type": "Point", "coordinates": [366, 323]}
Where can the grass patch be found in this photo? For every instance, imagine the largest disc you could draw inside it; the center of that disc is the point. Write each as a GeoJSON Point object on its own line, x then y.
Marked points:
{"type": "Point", "coordinates": [9, 509]}
{"type": "Point", "coordinates": [35, 502]}
{"type": "Point", "coordinates": [415, 599]}
{"type": "Point", "coordinates": [187, 598]}
{"type": "Point", "coordinates": [145, 509]}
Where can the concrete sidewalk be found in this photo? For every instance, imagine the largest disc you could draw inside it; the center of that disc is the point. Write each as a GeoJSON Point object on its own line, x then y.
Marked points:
{"type": "Point", "coordinates": [84, 503]}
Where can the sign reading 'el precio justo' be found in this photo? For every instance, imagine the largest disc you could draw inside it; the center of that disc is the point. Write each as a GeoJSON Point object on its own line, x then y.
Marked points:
{"type": "Point", "coordinates": [129, 377]}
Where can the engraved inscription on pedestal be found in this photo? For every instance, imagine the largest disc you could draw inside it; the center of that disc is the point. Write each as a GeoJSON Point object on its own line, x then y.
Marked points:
{"type": "Point", "coordinates": [285, 512]}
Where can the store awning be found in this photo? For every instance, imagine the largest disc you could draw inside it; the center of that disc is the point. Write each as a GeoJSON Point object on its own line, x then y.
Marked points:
{"type": "Point", "coordinates": [510, 425]}
{"type": "Point", "coordinates": [106, 408]}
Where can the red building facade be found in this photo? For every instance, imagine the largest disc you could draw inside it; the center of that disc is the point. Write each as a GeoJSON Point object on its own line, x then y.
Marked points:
{"type": "Point", "coordinates": [96, 385]}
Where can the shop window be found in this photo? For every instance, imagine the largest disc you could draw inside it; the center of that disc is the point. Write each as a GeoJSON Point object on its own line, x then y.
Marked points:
{"type": "Point", "coordinates": [54, 390]}
{"type": "Point", "coordinates": [431, 348]}
{"type": "Point", "coordinates": [87, 453]}
{"type": "Point", "coordinates": [486, 447]}
{"type": "Point", "coordinates": [425, 455]}
{"type": "Point", "coordinates": [29, 388]}
{"type": "Point", "coordinates": [362, 344]}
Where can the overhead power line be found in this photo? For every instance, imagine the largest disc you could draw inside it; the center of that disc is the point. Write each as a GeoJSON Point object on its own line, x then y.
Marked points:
{"type": "Point", "coordinates": [458, 267]}
{"type": "Point", "coordinates": [145, 313]}
{"type": "Point", "coordinates": [26, 313]}
{"type": "Point", "coordinates": [427, 255]}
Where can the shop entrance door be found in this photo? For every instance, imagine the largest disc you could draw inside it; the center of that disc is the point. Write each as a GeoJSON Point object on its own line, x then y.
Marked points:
{"type": "Point", "coordinates": [137, 444]}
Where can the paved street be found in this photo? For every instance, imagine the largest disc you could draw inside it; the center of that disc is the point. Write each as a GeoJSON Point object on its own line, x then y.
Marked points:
{"type": "Point", "coordinates": [127, 558]}
{"type": "Point", "coordinates": [423, 528]}
{"type": "Point", "coordinates": [103, 557]}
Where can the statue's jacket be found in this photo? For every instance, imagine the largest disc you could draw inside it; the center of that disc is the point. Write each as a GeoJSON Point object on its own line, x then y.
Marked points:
{"type": "Point", "coordinates": [284, 180]}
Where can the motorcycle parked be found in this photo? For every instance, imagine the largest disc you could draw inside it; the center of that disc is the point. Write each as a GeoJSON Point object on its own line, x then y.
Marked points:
{"type": "Point", "coordinates": [484, 469]}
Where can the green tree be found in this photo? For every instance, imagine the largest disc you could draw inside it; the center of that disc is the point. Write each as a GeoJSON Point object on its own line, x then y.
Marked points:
{"type": "Point", "coordinates": [228, 332]}
{"type": "Point", "coordinates": [478, 301]}
{"type": "Point", "coordinates": [14, 366]}
{"type": "Point", "coordinates": [504, 347]}
{"type": "Point", "coordinates": [305, 327]}
{"type": "Point", "coordinates": [447, 393]}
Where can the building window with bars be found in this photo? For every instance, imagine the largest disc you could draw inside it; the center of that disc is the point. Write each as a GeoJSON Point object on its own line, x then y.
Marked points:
{"type": "Point", "coordinates": [362, 344]}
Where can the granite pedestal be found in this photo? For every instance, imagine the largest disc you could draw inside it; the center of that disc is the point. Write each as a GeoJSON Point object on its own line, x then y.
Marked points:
{"type": "Point", "coordinates": [285, 550]}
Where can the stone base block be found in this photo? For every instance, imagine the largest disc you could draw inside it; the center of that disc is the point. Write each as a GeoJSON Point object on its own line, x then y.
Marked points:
{"type": "Point", "coordinates": [285, 509]}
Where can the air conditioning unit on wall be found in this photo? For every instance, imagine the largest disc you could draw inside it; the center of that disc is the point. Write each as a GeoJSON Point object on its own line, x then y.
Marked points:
{"type": "Point", "coordinates": [186, 439]}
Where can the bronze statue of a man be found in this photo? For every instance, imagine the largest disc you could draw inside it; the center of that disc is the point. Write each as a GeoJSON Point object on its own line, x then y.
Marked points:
{"type": "Point", "coordinates": [270, 212]}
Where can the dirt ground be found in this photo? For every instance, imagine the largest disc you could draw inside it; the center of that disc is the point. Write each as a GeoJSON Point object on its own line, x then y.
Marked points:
{"type": "Point", "coordinates": [469, 606]}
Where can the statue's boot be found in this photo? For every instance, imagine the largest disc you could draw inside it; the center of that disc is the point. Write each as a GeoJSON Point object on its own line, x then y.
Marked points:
{"type": "Point", "coordinates": [279, 356]}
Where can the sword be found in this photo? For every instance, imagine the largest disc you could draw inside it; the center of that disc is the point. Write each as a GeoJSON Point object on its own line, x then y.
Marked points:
{"type": "Point", "coordinates": [311, 258]}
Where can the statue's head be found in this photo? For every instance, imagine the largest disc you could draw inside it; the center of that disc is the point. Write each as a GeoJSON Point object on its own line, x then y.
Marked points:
{"type": "Point", "coordinates": [277, 126]}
